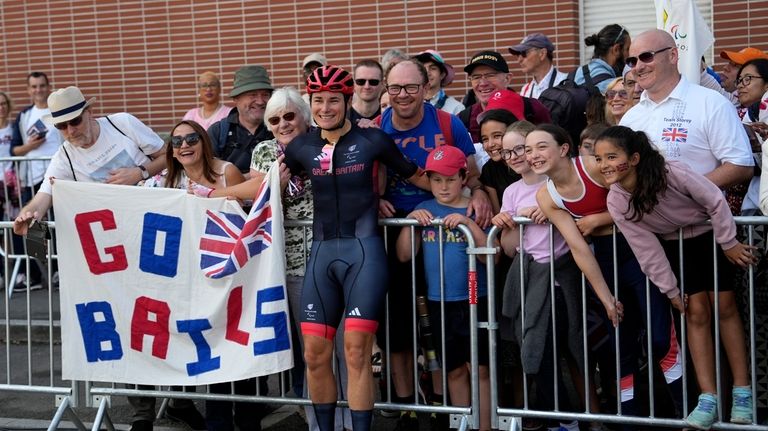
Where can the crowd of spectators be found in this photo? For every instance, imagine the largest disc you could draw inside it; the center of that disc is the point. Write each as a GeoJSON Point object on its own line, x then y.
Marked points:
{"type": "Point", "coordinates": [650, 135]}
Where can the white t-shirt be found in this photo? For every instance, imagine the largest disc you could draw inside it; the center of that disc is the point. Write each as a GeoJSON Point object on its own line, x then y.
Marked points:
{"type": "Point", "coordinates": [31, 172]}
{"type": "Point", "coordinates": [6, 134]}
{"type": "Point", "coordinates": [694, 125]}
{"type": "Point", "coordinates": [112, 150]}
{"type": "Point", "coordinates": [534, 89]}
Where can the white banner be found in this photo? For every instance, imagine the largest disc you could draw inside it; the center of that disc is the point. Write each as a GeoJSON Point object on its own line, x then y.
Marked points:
{"type": "Point", "coordinates": [681, 19]}
{"type": "Point", "coordinates": [161, 287]}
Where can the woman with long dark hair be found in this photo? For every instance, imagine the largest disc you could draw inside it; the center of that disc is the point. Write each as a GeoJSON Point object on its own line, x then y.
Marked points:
{"type": "Point", "coordinates": [574, 200]}
{"type": "Point", "coordinates": [650, 200]}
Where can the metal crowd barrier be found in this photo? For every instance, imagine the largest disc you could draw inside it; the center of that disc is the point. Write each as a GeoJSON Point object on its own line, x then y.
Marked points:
{"type": "Point", "coordinates": [68, 395]}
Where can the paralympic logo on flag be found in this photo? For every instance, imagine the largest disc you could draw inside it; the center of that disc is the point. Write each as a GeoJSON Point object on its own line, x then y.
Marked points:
{"type": "Point", "coordinates": [229, 240]}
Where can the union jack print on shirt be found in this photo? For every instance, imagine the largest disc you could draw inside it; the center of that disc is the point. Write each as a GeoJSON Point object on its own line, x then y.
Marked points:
{"type": "Point", "coordinates": [674, 134]}
{"type": "Point", "coordinates": [230, 240]}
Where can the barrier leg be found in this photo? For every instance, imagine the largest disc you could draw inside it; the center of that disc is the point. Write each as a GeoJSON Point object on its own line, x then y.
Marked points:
{"type": "Point", "coordinates": [65, 408]}
{"type": "Point", "coordinates": [103, 416]}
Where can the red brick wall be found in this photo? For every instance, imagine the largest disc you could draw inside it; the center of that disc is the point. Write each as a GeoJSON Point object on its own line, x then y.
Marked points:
{"type": "Point", "coordinates": [738, 24]}
{"type": "Point", "coordinates": [144, 56]}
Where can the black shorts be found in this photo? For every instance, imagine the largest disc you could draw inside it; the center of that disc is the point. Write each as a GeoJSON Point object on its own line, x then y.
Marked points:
{"type": "Point", "coordinates": [698, 264]}
{"type": "Point", "coordinates": [345, 277]}
{"type": "Point", "coordinates": [457, 342]}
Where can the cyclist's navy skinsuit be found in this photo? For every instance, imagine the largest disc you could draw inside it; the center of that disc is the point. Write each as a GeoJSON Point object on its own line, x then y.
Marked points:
{"type": "Point", "coordinates": [347, 270]}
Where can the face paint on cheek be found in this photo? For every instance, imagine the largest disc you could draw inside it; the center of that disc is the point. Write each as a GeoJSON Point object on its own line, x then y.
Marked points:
{"type": "Point", "coordinates": [621, 167]}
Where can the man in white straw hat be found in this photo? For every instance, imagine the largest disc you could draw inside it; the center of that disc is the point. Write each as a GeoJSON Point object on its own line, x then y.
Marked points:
{"type": "Point", "coordinates": [116, 149]}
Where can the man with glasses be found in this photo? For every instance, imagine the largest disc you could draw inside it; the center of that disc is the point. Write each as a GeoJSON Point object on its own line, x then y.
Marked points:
{"type": "Point", "coordinates": [417, 128]}
{"type": "Point", "coordinates": [235, 136]}
{"type": "Point", "coordinates": [686, 122]}
{"type": "Point", "coordinates": [488, 73]}
{"type": "Point", "coordinates": [369, 83]}
{"type": "Point", "coordinates": [535, 56]}
{"type": "Point", "coordinates": [116, 149]}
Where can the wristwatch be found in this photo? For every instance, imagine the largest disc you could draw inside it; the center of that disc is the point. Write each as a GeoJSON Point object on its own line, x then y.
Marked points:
{"type": "Point", "coordinates": [144, 172]}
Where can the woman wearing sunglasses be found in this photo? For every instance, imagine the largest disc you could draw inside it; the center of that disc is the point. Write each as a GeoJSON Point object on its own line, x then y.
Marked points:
{"type": "Point", "coordinates": [190, 162]}
{"type": "Point", "coordinates": [617, 101]}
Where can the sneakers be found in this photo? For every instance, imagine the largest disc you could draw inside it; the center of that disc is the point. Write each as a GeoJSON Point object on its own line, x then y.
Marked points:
{"type": "Point", "coordinates": [186, 415]}
{"type": "Point", "coordinates": [21, 284]}
{"type": "Point", "coordinates": [704, 415]}
{"type": "Point", "coordinates": [141, 426]}
{"type": "Point", "coordinates": [741, 409]}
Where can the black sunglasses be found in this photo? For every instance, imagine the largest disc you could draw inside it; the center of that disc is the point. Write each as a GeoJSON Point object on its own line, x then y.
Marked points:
{"type": "Point", "coordinates": [191, 139]}
{"type": "Point", "coordinates": [373, 82]}
{"type": "Point", "coordinates": [645, 57]}
{"type": "Point", "coordinates": [73, 122]}
{"type": "Point", "coordinates": [288, 116]}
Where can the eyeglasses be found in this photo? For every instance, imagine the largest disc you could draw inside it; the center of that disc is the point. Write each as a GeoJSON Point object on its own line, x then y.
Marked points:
{"type": "Point", "coordinates": [288, 116]}
{"type": "Point", "coordinates": [394, 89]}
{"type": "Point", "coordinates": [372, 82]}
{"type": "Point", "coordinates": [610, 94]}
{"type": "Point", "coordinates": [645, 57]}
{"type": "Point", "coordinates": [746, 80]}
{"type": "Point", "coordinates": [490, 76]}
{"type": "Point", "coordinates": [73, 122]}
{"type": "Point", "coordinates": [191, 139]}
{"type": "Point", "coordinates": [518, 151]}
{"type": "Point", "coordinates": [619, 36]}
{"type": "Point", "coordinates": [208, 85]}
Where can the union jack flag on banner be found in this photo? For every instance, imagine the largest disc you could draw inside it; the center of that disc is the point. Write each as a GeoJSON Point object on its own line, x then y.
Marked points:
{"type": "Point", "coordinates": [230, 241]}
{"type": "Point", "coordinates": [677, 135]}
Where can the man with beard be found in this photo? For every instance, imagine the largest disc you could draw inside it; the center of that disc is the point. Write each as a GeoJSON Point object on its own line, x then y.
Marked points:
{"type": "Point", "coordinates": [235, 137]}
{"type": "Point", "coordinates": [611, 48]}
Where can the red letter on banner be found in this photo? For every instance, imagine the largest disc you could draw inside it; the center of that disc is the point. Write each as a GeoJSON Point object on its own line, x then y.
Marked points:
{"type": "Point", "coordinates": [83, 223]}
{"type": "Point", "coordinates": [158, 328]}
{"type": "Point", "coordinates": [234, 311]}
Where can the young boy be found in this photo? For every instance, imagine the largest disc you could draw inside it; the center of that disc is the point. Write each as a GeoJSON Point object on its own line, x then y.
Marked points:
{"type": "Point", "coordinates": [446, 168]}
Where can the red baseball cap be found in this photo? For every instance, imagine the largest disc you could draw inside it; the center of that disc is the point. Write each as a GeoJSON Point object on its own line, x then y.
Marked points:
{"type": "Point", "coordinates": [507, 100]}
{"type": "Point", "coordinates": [446, 160]}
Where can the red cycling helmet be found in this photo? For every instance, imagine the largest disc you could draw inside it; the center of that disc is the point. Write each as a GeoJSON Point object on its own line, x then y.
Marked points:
{"type": "Point", "coordinates": [330, 78]}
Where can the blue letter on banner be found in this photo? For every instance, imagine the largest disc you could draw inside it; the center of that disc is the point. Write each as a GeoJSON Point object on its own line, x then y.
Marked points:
{"type": "Point", "coordinates": [167, 263]}
{"type": "Point", "coordinates": [277, 321]}
{"type": "Point", "coordinates": [95, 332]}
{"type": "Point", "coordinates": [195, 328]}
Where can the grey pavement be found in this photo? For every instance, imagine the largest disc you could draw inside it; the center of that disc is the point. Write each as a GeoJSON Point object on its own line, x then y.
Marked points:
{"type": "Point", "coordinates": [30, 355]}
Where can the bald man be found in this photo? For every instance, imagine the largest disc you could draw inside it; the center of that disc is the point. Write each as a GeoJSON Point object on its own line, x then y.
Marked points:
{"type": "Point", "coordinates": [685, 121]}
